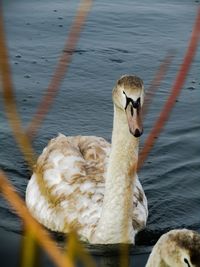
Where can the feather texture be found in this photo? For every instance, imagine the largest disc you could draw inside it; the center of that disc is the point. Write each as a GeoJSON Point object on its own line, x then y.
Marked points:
{"type": "Point", "coordinates": [67, 188]}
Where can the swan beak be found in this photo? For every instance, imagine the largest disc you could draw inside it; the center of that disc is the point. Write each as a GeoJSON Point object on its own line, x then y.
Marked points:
{"type": "Point", "coordinates": [134, 117]}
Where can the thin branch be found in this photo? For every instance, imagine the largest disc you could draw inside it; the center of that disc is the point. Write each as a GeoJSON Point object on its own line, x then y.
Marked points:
{"type": "Point", "coordinates": [176, 89]}
{"type": "Point", "coordinates": [32, 225]}
{"type": "Point", "coordinates": [158, 78]}
{"type": "Point", "coordinates": [61, 68]}
{"type": "Point", "coordinates": [9, 99]}
{"type": "Point", "coordinates": [24, 144]}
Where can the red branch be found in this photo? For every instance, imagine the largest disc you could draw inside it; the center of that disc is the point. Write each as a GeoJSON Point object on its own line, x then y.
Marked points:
{"type": "Point", "coordinates": [158, 78]}
{"type": "Point", "coordinates": [176, 89]}
{"type": "Point", "coordinates": [61, 68]}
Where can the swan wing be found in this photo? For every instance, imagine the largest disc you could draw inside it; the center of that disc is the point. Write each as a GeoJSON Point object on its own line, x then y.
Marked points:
{"type": "Point", "coordinates": [67, 187]}
{"type": "Point", "coordinates": [140, 207]}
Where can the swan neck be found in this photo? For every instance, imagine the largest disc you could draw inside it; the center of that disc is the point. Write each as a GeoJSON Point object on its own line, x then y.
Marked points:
{"type": "Point", "coordinates": [121, 136]}
{"type": "Point", "coordinates": [115, 224]}
{"type": "Point", "coordinates": [124, 151]}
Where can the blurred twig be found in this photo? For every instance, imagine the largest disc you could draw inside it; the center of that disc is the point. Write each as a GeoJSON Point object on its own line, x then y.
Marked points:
{"type": "Point", "coordinates": [176, 89]}
{"type": "Point", "coordinates": [25, 146]}
{"type": "Point", "coordinates": [158, 78]}
{"type": "Point", "coordinates": [30, 252]}
{"type": "Point", "coordinates": [75, 251]}
{"type": "Point", "coordinates": [61, 68]}
{"type": "Point", "coordinates": [9, 99]}
{"type": "Point", "coordinates": [124, 255]}
{"type": "Point", "coordinates": [32, 225]}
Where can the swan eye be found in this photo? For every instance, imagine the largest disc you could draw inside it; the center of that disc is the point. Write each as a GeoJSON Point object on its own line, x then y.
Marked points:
{"type": "Point", "coordinates": [187, 262]}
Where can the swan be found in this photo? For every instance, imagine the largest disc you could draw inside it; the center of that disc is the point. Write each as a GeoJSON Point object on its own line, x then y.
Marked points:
{"type": "Point", "coordinates": [176, 248]}
{"type": "Point", "coordinates": [84, 183]}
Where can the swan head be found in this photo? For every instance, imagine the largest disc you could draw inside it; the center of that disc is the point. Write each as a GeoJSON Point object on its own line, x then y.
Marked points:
{"type": "Point", "coordinates": [179, 248]}
{"type": "Point", "coordinates": [128, 95]}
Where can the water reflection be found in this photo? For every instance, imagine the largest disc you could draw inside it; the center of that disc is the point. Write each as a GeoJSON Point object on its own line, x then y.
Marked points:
{"type": "Point", "coordinates": [114, 261]}
{"type": "Point", "coordinates": [119, 255]}
{"type": "Point", "coordinates": [111, 255]}
{"type": "Point", "coordinates": [111, 261]}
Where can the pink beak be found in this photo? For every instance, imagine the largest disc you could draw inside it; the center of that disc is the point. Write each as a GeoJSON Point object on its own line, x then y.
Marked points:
{"type": "Point", "coordinates": [134, 117]}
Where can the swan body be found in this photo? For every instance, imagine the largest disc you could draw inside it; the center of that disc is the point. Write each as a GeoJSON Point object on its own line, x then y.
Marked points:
{"type": "Point", "coordinates": [86, 184]}
{"type": "Point", "coordinates": [177, 248]}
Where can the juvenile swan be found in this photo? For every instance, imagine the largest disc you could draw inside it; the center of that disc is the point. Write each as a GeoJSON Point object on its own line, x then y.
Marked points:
{"type": "Point", "coordinates": [86, 184]}
{"type": "Point", "coordinates": [177, 248]}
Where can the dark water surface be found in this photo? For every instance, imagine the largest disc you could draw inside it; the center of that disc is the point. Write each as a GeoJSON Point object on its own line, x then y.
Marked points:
{"type": "Point", "coordinates": [119, 37]}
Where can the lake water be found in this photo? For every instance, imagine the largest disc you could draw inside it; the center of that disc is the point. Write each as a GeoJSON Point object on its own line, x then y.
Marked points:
{"type": "Point", "coordinates": [119, 37]}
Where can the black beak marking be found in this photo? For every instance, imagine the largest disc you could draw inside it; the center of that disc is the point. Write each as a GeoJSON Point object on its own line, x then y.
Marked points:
{"type": "Point", "coordinates": [135, 104]}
